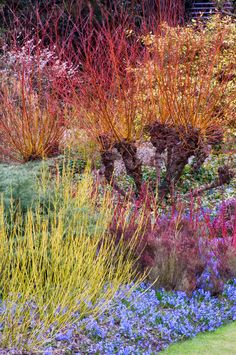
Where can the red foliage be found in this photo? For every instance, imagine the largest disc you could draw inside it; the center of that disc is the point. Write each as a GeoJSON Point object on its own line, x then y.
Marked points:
{"type": "Point", "coordinates": [178, 246]}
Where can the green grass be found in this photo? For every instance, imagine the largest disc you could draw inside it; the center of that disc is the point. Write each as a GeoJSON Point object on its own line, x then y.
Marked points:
{"type": "Point", "coordinates": [222, 341]}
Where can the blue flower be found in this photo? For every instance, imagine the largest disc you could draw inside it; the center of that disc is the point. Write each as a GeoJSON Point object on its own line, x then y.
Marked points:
{"type": "Point", "coordinates": [146, 320]}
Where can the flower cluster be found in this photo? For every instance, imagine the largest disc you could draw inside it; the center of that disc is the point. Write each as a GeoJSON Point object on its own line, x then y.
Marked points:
{"type": "Point", "coordinates": [33, 60]}
{"type": "Point", "coordinates": [147, 321]}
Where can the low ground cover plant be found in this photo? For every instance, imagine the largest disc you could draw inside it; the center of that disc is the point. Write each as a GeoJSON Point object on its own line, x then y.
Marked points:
{"type": "Point", "coordinates": [147, 321]}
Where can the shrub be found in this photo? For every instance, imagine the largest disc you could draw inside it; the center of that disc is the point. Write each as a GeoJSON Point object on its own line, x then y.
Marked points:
{"type": "Point", "coordinates": [30, 128]}
{"type": "Point", "coordinates": [184, 86]}
{"type": "Point", "coordinates": [177, 255]}
{"type": "Point", "coordinates": [182, 250]}
{"type": "Point", "coordinates": [166, 86]}
{"type": "Point", "coordinates": [18, 185]}
{"type": "Point", "coordinates": [105, 96]}
{"type": "Point", "coordinates": [60, 266]}
{"type": "Point", "coordinates": [24, 187]}
{"type": "Point", "coordinates": [33, 119]}
{"type": "Point", "coordinates": [189, 97]}
{"type": "Point", "coordinates": [40, 65]}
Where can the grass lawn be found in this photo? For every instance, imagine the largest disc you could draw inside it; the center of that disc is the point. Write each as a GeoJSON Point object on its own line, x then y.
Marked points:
{"type": "Point", "coordinates": [222, 341]}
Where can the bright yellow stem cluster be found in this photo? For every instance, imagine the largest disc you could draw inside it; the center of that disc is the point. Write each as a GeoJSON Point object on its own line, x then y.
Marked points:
{"type": "Point", "coordinates": [59, 267]}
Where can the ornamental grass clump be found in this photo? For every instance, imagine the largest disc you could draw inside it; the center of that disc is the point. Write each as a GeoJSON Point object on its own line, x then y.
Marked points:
{"type": "Point", "coordinates": [55, 268]}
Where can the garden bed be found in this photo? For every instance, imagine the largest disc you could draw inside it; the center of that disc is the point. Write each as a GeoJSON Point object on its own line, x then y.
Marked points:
{"type": "Point", "coordinates": [117, 176]}
{"type": "Point", "coordinates": [145, 322]}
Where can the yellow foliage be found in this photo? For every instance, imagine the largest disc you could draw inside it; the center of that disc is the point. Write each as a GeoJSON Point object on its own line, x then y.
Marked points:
{"type": "Point", "coordinates": [190, 77]}
{"type": "Point", "coordinates": [57, 268]}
